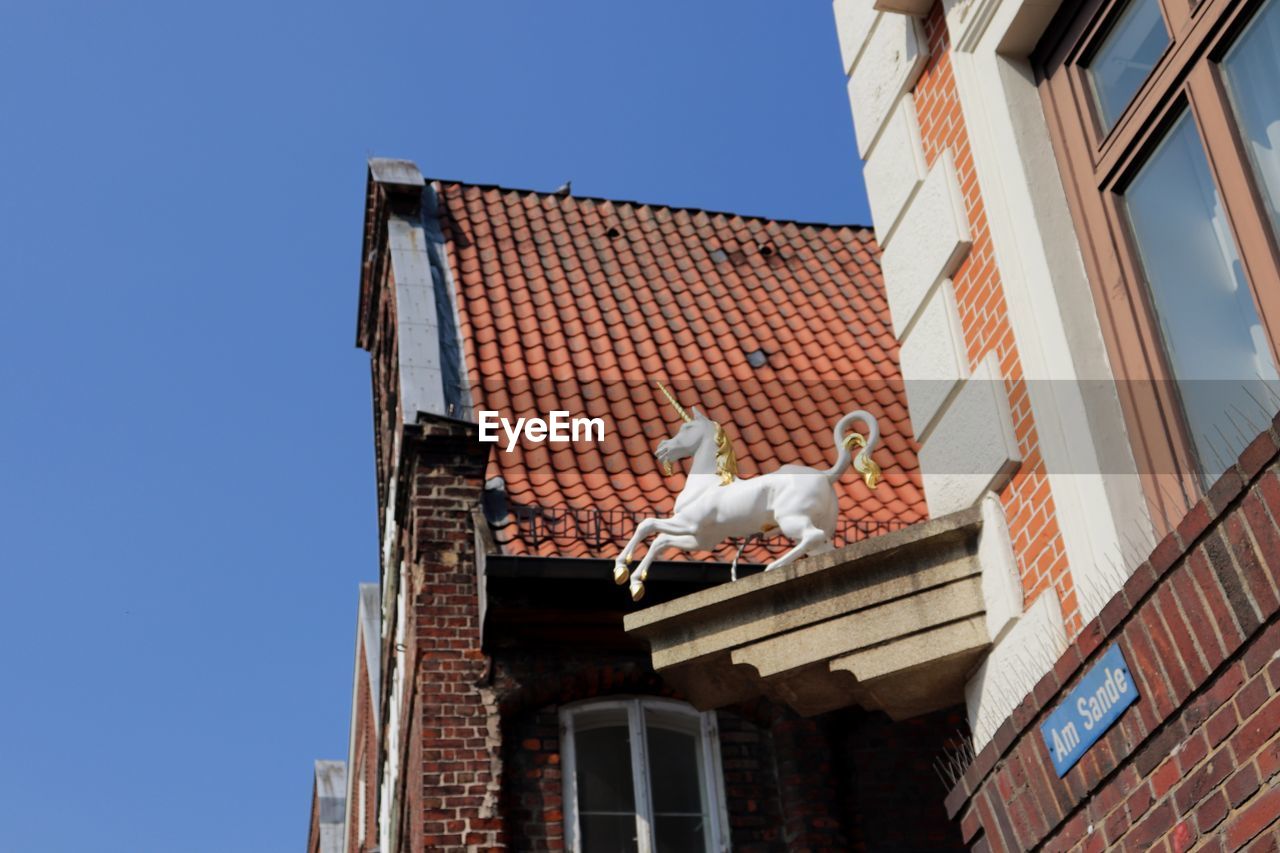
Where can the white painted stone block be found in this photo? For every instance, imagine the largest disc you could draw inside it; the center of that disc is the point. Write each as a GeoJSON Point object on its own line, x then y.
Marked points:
{"type": "Point", "coordinates": [895, 168]}
{"type": "Point", "coordinates": [886, 69]}
{"type": "Point", "coordinates": [927, 245]}
{"type": "Point", "coordinates": [1001, 583]}
{"type": "Point", "coordinates": [854, 19]}
{"type": "Point", "coordinates": [933, 359]}
{"type": "Point", "coordinates": [1014, 665]}
{"type": "Point", "coordinates": [972, 449]}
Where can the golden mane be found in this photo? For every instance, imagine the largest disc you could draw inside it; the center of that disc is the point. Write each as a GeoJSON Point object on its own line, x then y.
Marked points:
{"type": "Point", "coordinates": [726, 461]}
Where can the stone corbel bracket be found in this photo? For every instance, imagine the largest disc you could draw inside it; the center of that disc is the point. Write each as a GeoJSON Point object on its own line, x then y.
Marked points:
{"type": "Point", "coordinates": [897, 623]}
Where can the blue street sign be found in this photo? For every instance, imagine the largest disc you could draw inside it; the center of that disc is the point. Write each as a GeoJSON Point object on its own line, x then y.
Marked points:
{"type": "Point", "coordinates": [1089, 710]}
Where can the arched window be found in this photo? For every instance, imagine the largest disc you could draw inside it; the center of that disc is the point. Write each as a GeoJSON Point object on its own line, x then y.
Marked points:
{"type": "Point", "coordinates": [642, 775]}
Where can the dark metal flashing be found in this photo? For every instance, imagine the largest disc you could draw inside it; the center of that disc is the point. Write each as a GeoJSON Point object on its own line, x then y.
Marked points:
{"type": "Point", "coordinates": [577, 568]}
{"type": "Point", "coordinates": [453, 376]}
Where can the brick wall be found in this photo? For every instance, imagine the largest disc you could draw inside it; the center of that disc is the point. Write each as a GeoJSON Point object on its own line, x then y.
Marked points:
{"type": "Point", "coordinates": [891, 796]}
{"type": "Point", "coordinates": [750, 783]}
{"type": "Point", "coordinates": [363, 763]}
{"type": "Point", "coordinates": [850, 780]}
{"type": "Point", "coordinates": [532, 800]}
{"type": "Point", "coordinates": [531, 686]}
{"type": "Point", "coordinates": [532, 803]}
{"type": "Point", "coordinates": [811, 813]}
{"type": "Point", "coordinates": [453, 770]}
{"type": "Point", "coordinates": [984, 319]}
{"type": "Point", "coordinates": [1193, 763]}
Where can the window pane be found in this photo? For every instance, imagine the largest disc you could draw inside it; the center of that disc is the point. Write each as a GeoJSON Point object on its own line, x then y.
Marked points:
{"type": "Point", "coordinates": [606, 796]}
{"type": "Point", "coordinates": [1253, 79]}
{"type": "Point", "coordinates": [677, 779]}
{"type": "Point", "coordinates": [603, 758]}
{"type": "Point", "coordinates": [679, 834]}
{"type": "Point", "coordinates": [1214, 340]}
{"type": "Point", "coordinates": [673, 769]}
{"type": "Point", "coordinates": [1126, 57]}
{"type": "Point", "coordinates": [608, 833]}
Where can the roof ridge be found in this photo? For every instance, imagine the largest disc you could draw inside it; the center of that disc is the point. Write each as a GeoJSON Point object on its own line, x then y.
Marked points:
{"type": "Point", "coordinates": [656, 206]}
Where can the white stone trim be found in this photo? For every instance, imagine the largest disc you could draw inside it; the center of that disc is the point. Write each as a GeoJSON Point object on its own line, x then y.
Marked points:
{"type": "Point", "coordinates": [1001, 581]}
{"type": "Point", "coordinates": [1028, 650]}
{"type": "Point", "coordinates": [854, 19]}
{"type": "Point", "coordinates": [389, 805]}
{"type": "Point", "coordinates": [895, 168]}
{"type": "Point", "coordinates": [1079, 422]}
{"type": "Point", "coordinates": [973, 448]}
{"type": "Point", "coordinates": [928, 245]}
{"type": "Point", "coordinates": [886, 68]}
{"type": "Point", "coordinates": [933, 359]}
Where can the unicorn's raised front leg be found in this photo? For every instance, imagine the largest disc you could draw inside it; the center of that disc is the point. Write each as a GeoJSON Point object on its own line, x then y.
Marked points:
{"type": "Point", "coordinates": [808, 537]}
{"type": "Point", "coordinates": [662, 543]}
{"type": "Point", "coordinates": [643, 529]}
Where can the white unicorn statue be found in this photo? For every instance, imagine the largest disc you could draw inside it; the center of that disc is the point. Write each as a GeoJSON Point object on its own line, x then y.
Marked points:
{"type": "Point", "coordinates": [716, 504]}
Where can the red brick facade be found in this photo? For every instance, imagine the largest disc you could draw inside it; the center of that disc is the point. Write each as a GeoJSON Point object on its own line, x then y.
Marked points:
{"type": "Point", "coordinates": [1194, 762]}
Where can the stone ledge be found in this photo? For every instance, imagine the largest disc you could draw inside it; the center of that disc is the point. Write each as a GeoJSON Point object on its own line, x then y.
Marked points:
{"type": "Point", "coordinates": [915, 8]}
{"type": "Point", "coordinates": [893, 623]}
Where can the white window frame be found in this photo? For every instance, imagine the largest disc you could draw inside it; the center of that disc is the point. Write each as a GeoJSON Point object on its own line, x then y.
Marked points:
{"type": "Point", "coordinates": [709, 763]}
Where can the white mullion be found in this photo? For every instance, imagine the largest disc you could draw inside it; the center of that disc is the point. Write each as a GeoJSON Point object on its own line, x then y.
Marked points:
{"type": "Point", "coordinates": [713, 782]}
{"type": "Point", "coordinates": [569, 772]}
{"type": "Point", "coordinates": [640, 776]}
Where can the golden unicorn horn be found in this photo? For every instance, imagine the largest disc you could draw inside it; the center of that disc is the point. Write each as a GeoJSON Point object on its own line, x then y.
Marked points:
{"type": "Point", "coordinates": [685, 416]}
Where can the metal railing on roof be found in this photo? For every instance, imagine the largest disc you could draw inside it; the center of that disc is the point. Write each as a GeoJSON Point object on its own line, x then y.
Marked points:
{"type": "Point", "coordinates": [605, 531]}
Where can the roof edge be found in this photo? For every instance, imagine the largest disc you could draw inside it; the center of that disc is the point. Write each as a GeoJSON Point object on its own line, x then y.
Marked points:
{"type": "Point", "coordinates": [655, 205]}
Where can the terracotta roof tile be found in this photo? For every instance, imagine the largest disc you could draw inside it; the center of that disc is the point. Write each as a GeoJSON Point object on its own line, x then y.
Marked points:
{"type": "Point", "coordinates": [578, 303]}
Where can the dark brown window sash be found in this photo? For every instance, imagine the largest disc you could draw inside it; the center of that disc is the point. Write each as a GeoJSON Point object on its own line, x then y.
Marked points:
{"type": "Point", "coordinates": [1097, 166]}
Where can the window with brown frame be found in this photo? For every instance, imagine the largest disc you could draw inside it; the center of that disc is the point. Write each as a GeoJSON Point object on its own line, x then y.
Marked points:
{"type": "Point", "coordinates": [1165, 119]}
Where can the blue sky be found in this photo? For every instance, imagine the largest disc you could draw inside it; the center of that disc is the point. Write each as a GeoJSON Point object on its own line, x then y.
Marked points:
{"type": "Point", "coordinates": [186, 457]}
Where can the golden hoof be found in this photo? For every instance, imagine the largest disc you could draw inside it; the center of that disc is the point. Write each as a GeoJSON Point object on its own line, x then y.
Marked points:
{"type": "Point", "coordinates": [620, 574]}
{"type": "Point", "coordinates": [637, 592]}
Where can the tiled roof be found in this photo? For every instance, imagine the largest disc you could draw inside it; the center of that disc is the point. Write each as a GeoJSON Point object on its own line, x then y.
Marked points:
{"type": "Point", "coordinates": [578, 304]}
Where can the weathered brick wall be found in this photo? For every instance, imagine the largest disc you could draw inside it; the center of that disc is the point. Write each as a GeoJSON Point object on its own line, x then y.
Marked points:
{"type": "Point", "coordinates": [891, 796]}
{"type": "Point", "coordinates": [532, 685]}
{"type": "Point", "coordinates": [1194, 762]}
{"type": "Point", "coordinates": [850, 780]}
{"type": "Point", "coordinates": [363, 764]}
{"type": "Point", "coordinates": [750, 782]}
{"type": "Point", "coordinates": [811, 811]}
{"type": "Point", "coordinates": [532, 800]}
{"type": "Point", "coordinates": [454, 769]}
{"type": "Point", "coordinates": [984, 319]}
